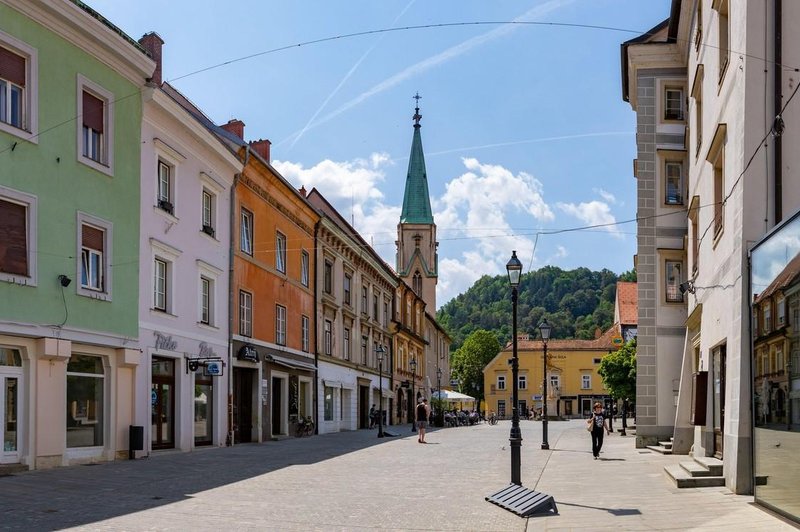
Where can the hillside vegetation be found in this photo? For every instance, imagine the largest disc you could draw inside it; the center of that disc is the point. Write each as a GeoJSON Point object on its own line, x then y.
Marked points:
{"type": "Point", "coordinates": [575, 302]}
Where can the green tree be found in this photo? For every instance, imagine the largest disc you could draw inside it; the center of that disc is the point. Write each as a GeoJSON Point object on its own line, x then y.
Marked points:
{"type": "Point", "coordinates": [618, 371]}
{"type": "Point", "coordinates": [468, 361]}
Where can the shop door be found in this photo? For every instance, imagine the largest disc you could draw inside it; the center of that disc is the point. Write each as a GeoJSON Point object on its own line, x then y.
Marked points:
{"type": "Point", "coordinates": [9, 415]}
{"type": "Point", "coordinates": [719, 354]}
{"type": "Point", "coordinates": [277, 406]}
{"type": "Point", "coordinates": [363, 407]}
{"type": "Point", "coordinates": [243, 405]}
{"type": "Point", "coordinates": [203, 409]}
{"type": "Point", "coordinates": [162, 397]}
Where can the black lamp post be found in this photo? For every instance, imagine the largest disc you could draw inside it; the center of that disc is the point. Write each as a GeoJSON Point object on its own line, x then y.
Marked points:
{"type": "Point", "coordinates": [379, 352]}
{"type": "Point", "coordinates": [544, 329]}
{"type": "Point", "coordinates": [413, 364]}
{"type": "Point", "coordinates": [439, 411]}
{"type": "Point", "coordinates": [514, 268]}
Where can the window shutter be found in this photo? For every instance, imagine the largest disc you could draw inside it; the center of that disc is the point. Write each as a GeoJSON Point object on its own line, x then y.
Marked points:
{"type": "Point", "coordinates": [12, 67]}
{"type": "Point", "coordinates": [92, 238]}
{"type": "Point", "coordinates": [92, 112]}
{"type": "Point", "coordinates": [13, 238]}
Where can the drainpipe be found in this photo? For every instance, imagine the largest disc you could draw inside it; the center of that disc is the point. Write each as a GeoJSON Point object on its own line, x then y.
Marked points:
{"type": "Point", "coordinates": [316, 332]}
{"type": "Point", "coordinates": [778, 124]}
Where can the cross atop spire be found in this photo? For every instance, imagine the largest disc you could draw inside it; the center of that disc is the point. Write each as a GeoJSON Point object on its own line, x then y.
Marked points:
{"type": "Point", "coordinates": [417, 116]}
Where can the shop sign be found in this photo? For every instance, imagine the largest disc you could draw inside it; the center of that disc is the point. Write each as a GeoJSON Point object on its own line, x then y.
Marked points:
{"type": "Point", "coordinates": [248, 352]}
{"type": "Point", "coordinates": [164, 342]}
{"type": "Point", "coordinates": [213, 368]}
{"type": "Point", "coordinates": [617, 340]}
{"type": "Point", "coordinates": [453, 382]}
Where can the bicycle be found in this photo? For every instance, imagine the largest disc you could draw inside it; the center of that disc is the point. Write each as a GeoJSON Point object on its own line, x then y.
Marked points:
{"type": "Point", "coordinates": [492, 419]}
{"type": "Point", "coordinates": [305, 427]}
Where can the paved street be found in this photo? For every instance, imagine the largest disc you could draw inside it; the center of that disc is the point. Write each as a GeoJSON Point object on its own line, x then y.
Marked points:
{"type": "Point", "coordinates": [353, 481]}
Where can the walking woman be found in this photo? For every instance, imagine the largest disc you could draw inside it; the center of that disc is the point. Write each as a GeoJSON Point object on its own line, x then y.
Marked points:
{"type": "Point", "coordinates": [599, 425]}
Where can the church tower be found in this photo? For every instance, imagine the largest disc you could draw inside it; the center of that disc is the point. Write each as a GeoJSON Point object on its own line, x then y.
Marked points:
{"type": "Point", "coordinates": [417, 258]}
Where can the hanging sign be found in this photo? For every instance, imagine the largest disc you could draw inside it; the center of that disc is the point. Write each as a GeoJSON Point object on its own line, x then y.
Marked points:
{"type": "Point", "coordinates": [247, 352]}
{"type": "Point", "coordinates": [213, 368]}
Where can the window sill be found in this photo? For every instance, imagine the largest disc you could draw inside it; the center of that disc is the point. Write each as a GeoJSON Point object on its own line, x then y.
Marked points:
{"type": "Point", "coordinates": [93, 294]}
{"type": "Point", "coordinates": [20, 133]}
{"type": "Point", "coordinates": [212, 238]}
{"type": "Point", "coordinates": [103, 168]}
{"type": "Point", "coordinates": [207, 326]}
{"type": "Point", "coordinates": [20, 280]}
{"type": "Point", "coordinates": [163, 314]}
{"type": "Point", "coordinates": [171, 217]}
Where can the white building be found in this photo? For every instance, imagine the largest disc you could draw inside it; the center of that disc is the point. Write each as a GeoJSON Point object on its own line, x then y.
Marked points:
{"type": "Point", "coordinates": [187, 175]}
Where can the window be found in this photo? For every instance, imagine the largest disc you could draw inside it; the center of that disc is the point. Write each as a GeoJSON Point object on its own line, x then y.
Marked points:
{"type": "Point", "coordinates": [724, 36]}
{"type": "Point", "coordinates": [17, 236]}
{"type": "Point", "coordinates": [375, 307]}
{"type": "Point", "coordinates": [385, 313]}
{"type": "Point", "coordinates": [160, 285]}
{"type": "Point", "coordinates": [280, 325]}
{"type": "Point", "coordinates": [165, 187]}
{"type": "Point", "coordinates": [586, 382]}
{"type": "Point", "coordinates": [781, 311]}
{"type": "Point", "coordinates": [719, 183]}
{"type": "Point", "coordinates": [694, 235]}
{"type": "Point", "coordinates": [501, 382]}
{"type": "Point", "coordinates": [209, 213]}
{"type": "Point", "coordinates": [327, 281]}
{"type": "Point", "coordinates": [767, 317]}
{"type": "Point", "coordinates": [417, 283]}
{"type": "Point", "coordinates": [304, 267]}
{"type": "Point", "coordinates": [280, 252]}
{"type": "Point", "coordinates": [328, 331]}
{"type": "Point", "coordinates": [501, 408]}
{"type": "Point", "coordinates": [85, 393]}
{"type": "Point", "coordinates": [522, 382]}
{"type": "Point", "coordinates": [305, 330]}
{"type": "Point", "coordinates": [18, 88]}
{"type": "Point", "coordinates": [698, 36]}
{"type": "Point", "coordinates": [205, 300]}
{"type": "Point", "coordinates": [95, 135]}
{"type": "Point", "coordinates": [555, 383]}
{"type": "Point", "coordinates": [347, 280]}
{"type": "Point", "coordinates": [364, 307]}
{"type": "Point", "coordinates": [328, 414]}
{"type": "Point", "coordinates": [596, 360]}
{"type": "Point", "coordinates": [674, 279]}
{"type": "Point", "coordinates": [364, 350]}
{"type": "Point", "coordinates": [697, 94]}
{"type": "Point", "coordinates": [246, 234]}
{"type": "Point", "coordinates": [92, 257]}
{"type": "Point", "coordinates": [673, 179]}
{"type": "Point", "coordinates": [346, 345]}
{"type": "Point", "coordinates": [673, 103]}
{"type": "Point", "coordinates": [245, 313]}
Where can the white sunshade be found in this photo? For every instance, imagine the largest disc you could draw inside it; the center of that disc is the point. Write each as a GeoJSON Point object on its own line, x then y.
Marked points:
{"type": "Point", "coordinates": [450, 395]}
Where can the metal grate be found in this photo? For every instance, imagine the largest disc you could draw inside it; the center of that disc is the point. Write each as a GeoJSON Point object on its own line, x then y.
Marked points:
{"type": "Point", "coordinates": [523, 501]}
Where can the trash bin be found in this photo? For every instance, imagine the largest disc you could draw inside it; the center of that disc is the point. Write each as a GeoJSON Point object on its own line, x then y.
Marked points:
{"type": "Point", "coordinates": [135, 440]}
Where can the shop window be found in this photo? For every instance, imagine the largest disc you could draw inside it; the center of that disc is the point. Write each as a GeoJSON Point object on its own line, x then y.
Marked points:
{"type": "Point", "coordinates": [328, 403]}
{"type": "Point", "coordinates": [85, 401]}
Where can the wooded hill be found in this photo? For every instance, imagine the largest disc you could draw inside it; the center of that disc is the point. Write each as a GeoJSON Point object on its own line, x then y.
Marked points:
{"type": "Point", "coordinates": [575, 302]}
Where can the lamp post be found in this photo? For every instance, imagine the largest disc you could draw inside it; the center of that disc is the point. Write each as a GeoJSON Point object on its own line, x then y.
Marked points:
{"type": "Point", "coordinates": [439, 412]}
{"type": "Point", "coordinates": [544, 330]}
{"type": "Point", "coordinates": [514, 269]}
{"type": "Point", "coordinates": [379, 352]}
{"type": "Point", "coordinates": [413, 364]}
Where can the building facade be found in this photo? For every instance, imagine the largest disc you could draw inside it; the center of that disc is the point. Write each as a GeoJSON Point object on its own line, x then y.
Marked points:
{"type": "Point", "coordinates": [355, 289]}
{"type": "Point", "coordinates": [187, 174]}
{"type": "Point", "coordinates": [69, 233]}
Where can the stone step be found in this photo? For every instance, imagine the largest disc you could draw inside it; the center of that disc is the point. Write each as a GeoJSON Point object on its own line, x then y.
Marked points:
{"type": "Point", "coordinates": [660, 449]}
{"type": "Point", "coordinates": [667, 444]}
{"type": "Point", "coordinates": [683, 479]}
{"type": "Point", "coordinates": [695, 469]}
{"type": "Point", "coordinates": [714, 465]}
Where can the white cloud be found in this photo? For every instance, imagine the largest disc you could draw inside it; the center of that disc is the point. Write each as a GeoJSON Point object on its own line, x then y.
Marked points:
{"type": "Point", "coordinates": [606, 195]}
{"type": "Point", "coordinates": [593, 213]}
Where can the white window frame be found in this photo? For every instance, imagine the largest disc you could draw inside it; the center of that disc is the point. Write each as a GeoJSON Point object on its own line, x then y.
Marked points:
{"type": "Point", "coordinates": [327, 333]}
{"type": "Point", "coordinates": [305, 328]}
{"type": "Point", "coordinates": [214, 190]}
{"type": "Point", "coordinates": [168, 254]}
{"type": "Point", "coordinates": [280, 324]}
{"type": "Point", "coordinates": [346, 344]}
{"type": "Point", "coordinates": [348, 286]}
{"type": "Point", "coordinates": [245, 313]}
{"type": "Point", "coordinates": [780, 314]}
{"type": "Point", "coordinates": [212, 274]}
{"type": "Point", "coordinates": [672, 292]}
{"type": "Point", "coordinates": [280, 252]}
{"type": "Point", "coordinates": [246, 230]}
{"type": "Point", "coordinates": [106, 164]}
{"type": "Point", "coordinates": [501, 382]}
{"type": "Point", "coordinates": [555, 382]}
{"type": "Point", "coordinates": [681, 103]}
{"type": "Point", "coordinates": [586, 382]}
{"type": "Point", "coordinates": [160, 277]}
{"type": "Point", "coordinates": [30, 96]}
{"type": "Point", "coordinates": [108, 233]}
{"type": "Point", "coordinates": [206, 289]}
{"type": "Point", "coordinates": [672, 163]}
{"type": "Point", "coordinates": [522, 382]}
{"type": "Point", "coordinates": [30, 203]}
{"type": "Point", "coordinates": [305, 262]}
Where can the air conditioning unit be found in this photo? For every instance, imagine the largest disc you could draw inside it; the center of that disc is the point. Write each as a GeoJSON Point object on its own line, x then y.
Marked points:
{"type": "Point", "coordinates": [207, 229]}
{"type": "Point", "coordinates": [164, 205]}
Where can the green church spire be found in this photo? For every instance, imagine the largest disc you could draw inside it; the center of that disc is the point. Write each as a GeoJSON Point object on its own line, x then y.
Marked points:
{"type": "Point", "coordinates": [416, 201]}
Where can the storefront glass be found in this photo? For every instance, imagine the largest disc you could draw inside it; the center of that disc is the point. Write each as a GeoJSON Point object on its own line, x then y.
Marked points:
{"type": "Point", "coordinates": [162, 398]}
{"type": "Point", "coordinates": [85, 408]}
{"type": "Point", "coordinates": [775, 298]}
{"type": "Point", "coordinates": [203, 408]}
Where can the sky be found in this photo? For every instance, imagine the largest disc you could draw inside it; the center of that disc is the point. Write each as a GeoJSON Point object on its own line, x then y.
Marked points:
{"type": "Point", "coordinates": [523, 125]}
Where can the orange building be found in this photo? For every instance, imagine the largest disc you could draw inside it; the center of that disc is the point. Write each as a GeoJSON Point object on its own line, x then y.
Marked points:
{"type": "Point", "coordinates": [272, 307]}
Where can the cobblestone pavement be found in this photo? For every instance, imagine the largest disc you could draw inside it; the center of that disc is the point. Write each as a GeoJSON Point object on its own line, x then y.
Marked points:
{"type": "Point", "coordinates": [354, 481]}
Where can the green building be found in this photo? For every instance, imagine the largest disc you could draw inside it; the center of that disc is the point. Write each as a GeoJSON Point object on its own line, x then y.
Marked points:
{"type": "Point", "coordinates": [70, 129]}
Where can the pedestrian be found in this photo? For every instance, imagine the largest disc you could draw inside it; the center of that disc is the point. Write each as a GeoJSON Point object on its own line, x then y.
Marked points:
{"type": "Point", "coordinates": [423, 412]}
{"type": "Point", "coordinates": [372, 418]}
{"type": "Point", "coordinates": [599, 425]}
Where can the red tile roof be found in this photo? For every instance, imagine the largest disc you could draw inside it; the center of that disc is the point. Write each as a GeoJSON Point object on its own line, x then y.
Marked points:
{"type": "Point", "coordinates": [604, 342]}
{"type": "Point", "coordinates": [626, 309]}
{"type": "Point", "coordinates": [782, 280]}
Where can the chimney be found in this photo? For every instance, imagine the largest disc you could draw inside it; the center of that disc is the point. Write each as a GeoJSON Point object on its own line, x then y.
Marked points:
{"type": "Point", "coordinates": [234, 126]}
{"type": "Point", "coordinates": [153, 43]}
{"type": "Point", "coordinates": [261, 147]}
{"type": "Point", "coordinates": [303, 191]}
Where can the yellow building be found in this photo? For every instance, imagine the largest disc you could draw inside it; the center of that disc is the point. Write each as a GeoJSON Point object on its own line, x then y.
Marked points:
{"type": "Point", "coordinates": [573, 383]}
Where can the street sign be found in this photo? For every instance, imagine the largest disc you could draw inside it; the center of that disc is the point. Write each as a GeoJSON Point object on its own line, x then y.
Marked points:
{"type": "Point", "coordinates": [453, 382]}
{"type": "Point", "coordinates": [153, 397]}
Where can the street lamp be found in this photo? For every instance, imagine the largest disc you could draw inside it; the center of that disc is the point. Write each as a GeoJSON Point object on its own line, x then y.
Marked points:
{"type": "Point", "coordinates": [544, 329]}
{"type": "Point", "coordinates": [413, 364]}
{"type": "Point", "coordinates": [439, 410]}
{"type": "Point", "coordinates": [379, 352]}
{"type": "Point", "coordinates": [514, 268]}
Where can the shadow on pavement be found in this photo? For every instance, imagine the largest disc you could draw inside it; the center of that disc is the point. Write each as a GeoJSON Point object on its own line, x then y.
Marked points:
{"type": "Point", "coordinates": [612, 511]}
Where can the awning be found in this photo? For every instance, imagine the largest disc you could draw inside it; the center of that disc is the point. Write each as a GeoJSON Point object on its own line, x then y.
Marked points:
{"type": "Point", "coordinates": [291, 363]}
{"type": "Point", "coordinates": [450, 395]}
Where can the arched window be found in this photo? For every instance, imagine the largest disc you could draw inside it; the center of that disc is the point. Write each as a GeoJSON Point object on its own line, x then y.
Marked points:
{"type": "Point", "coordinates": [417, 283]}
